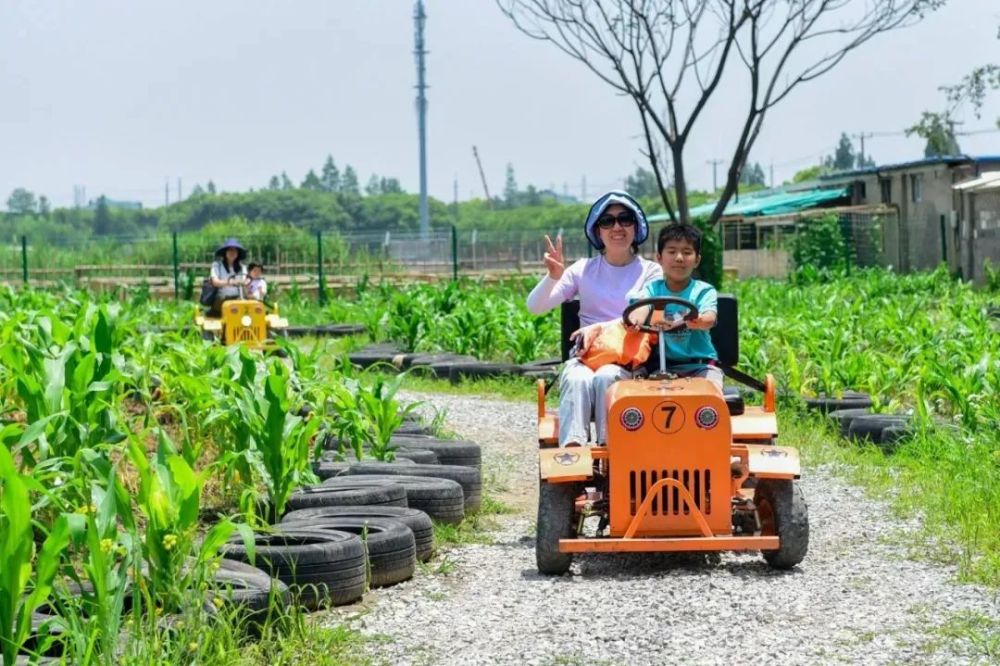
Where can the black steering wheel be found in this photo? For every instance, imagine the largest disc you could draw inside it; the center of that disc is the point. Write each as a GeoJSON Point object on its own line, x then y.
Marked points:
{"type": "Point", "coordinates": [659, 304]}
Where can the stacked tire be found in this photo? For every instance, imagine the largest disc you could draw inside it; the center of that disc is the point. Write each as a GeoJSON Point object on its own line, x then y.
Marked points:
{"type": "Point", "coordinates": [441, 499]}
{"type": "Point", "coordinates": [469, 478]}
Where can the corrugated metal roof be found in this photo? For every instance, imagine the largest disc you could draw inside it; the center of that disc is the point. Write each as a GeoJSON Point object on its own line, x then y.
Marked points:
{"type": "Point", "coordinates": [770, 203]}
{"type": "Point", "coordinates": [988, 181]}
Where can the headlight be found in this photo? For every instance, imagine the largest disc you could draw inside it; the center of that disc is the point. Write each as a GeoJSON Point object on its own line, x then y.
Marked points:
{"type": "Point", "coordinates": [246, 321]}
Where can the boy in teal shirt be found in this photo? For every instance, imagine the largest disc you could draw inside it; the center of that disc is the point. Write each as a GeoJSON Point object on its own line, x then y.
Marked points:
{"type": "Point", "coordinates": [689, 350]}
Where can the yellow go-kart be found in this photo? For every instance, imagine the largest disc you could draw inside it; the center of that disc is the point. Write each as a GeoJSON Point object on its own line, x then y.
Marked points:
{"type": "Point", "coordinates": [243, 321]}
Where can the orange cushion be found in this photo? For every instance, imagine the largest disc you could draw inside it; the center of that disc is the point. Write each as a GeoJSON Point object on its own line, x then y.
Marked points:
{"type": "Point", "coordinates": [616, 344]}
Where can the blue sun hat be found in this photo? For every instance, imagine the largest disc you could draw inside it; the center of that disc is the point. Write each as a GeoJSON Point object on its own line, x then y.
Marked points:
{"type": "Point", "coordinates": [601, 205]}
{"type": "Point", "coordinates": [232, 243]}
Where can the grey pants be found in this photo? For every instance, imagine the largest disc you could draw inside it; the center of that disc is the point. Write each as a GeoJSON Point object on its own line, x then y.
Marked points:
{"type": "Point", "coordinates": [709, 372]}
{"type": "Point", "coordinates": [581, 393]}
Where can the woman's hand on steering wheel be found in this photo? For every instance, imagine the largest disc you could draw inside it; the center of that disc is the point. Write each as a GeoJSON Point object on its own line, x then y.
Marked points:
{"type": "Point", "coordinates": [553, 258]}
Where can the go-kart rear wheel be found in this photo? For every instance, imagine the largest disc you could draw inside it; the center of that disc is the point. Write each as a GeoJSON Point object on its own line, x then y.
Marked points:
{"type": "Point", "coordinates": [555, 522]}
{"type": "Point", "coordinates": [782, 510]}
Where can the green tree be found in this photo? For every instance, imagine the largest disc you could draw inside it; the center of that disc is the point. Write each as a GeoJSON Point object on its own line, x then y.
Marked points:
{"type": "Point", "coordinates": [198, 191]}
{"type": "Point", "coordinates": [844, 157]}
{"type": "Point", "coordinates": [286, 182]}
{"type": "Point", "coordinates": [753, 174]}
{"type": "Point", "coordinates": [330, 176]}
{"type": "Point", "coordinates": [510, 187]}
{"type": "Point", "coordinates": [21, 201]}
{"type": "Point", "coordinates": [44, 208]}
{"type": "Point", "coordinates": [390, 186]}
{"type": "Point", "coordinates": [642, 184]}
{"type": "Point", "coordinates": [210, 188]}
{"type": "Point", "coordinates": [810, 173]}
{"type": "Point", "coordinates": [349, 182]}
{"type": "Point", "coordinates": [274, 183]}
{"type": "Point", "coordinates": [372, 186]}
{"type": "Point", "coordinates": [938, 131]}
{"type": "Point", "coordinates": [311, 181]}
{"type": "Point", "coordinates": [103, 222]}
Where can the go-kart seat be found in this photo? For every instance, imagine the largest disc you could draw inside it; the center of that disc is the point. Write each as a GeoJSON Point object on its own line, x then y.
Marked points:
{"type": "Point", "coordinates": [725, 339]}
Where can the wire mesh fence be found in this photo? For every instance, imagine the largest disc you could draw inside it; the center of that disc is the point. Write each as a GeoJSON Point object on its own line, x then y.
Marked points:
{"type": "Point", "coordinates": [171, 265]}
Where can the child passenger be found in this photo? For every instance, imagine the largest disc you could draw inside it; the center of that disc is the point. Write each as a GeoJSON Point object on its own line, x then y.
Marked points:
{"type": "Point", "coordinates": [689, 350]}
{"type": "Point", "coordinates": [257, 285]}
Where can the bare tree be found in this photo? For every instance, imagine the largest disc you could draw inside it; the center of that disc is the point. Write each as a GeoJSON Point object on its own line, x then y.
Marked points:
{"type": "Point", "coordinates": [669, 56]}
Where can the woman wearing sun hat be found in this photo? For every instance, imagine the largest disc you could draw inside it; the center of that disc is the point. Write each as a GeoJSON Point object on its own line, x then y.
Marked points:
{"type": "Point", "coordinates": [228, 273]}
{"type": "Point", "coordinates": [615, 227]}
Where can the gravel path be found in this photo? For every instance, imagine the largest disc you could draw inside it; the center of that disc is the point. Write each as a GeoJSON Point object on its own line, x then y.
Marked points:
{"type": "Point", "coordinates": [855, 598]}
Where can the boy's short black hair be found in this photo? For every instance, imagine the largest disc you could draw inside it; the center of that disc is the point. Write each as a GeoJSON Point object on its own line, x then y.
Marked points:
{"type": "Point", "coordinates": [679, 231]}
{"type": "Point", "coordinates": [253, 265]}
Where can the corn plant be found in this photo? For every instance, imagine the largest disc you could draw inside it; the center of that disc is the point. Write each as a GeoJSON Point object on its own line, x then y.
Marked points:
{"type": "Point", "coordinates": [20, 571]}
{"type": "Point", "coordinates": [281, 440]}
{"type": "Point", "coordinates": [169, 496]}
{"type": "Point", "coordinates": [384, 414]}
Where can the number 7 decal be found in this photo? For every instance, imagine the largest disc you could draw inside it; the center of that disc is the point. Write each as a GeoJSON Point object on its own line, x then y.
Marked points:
{"type": "Point", "coordinates": [668, 417]}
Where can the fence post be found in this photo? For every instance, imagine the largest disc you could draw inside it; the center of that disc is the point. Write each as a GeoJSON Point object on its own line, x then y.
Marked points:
{"type": "Point", "coordinates": [177, 270]}
{"type": "Point", "coordinates": [319, 267]}
{"type": "Point", "coordinates": [454, 253]}
{"type": "Point", "coordinates": [24, 259]}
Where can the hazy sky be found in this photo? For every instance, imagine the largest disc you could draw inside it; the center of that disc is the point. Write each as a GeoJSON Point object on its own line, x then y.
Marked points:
{"type": "Point", "coordinates": [119, 96]}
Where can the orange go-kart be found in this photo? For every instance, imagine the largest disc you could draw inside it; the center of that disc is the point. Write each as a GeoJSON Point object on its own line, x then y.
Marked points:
{"type": "Point", "coordinates": [686, 467]}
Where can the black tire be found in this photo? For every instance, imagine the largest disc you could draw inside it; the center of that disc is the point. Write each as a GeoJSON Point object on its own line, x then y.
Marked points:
{"type": "Point", "coordinates": [322, 567]}
{"type": "Point", "coordinates": [843, 418]}
{"type": "Point", "coordinates": [460, 371]}
{"type": "Point", "coordinates": [448, 451]}
{"type": "Point", "coordinates": [782, 510]}
{"type": "Point", "coordinates": [734, 400]}
{"type": "Point", "coordinates": [389, 544]}
{"type": "Point", "coordinates": [410, 428]}
{"type": "Point", "coordinates": [869, 428]}
{"type": "Point", "coordinates": [894, 434]}
{"type": "Point", "coordinates": [347, 495]}
{"type": "Point", "coordinates": [441, 499]}
{"type": "Point", "coordinates": [549, 364]}
{"type": "Point", "coordinates": [469, 478]}
{"type": "Point", "coordinates": [326, 469]}
{"type": "Point", "coordinates": [323, 330]}
{"type": "Point", "coordinates": [247, 589]}
{"type": "Point", "coordinates": [418, 521]}
{"type": "Point", "coordinates": [555, 521]}
{"type": "Point", "coordinates": [369, 356]}
{"type": "Point", "coordinates": [422, 456]}
{"type": "Point", "coordinates": [849, 400]}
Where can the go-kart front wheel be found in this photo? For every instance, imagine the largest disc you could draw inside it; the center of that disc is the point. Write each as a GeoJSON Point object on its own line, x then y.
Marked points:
{"type": "Point", "coordinates": [782, 511]}
{"type": "Point", "coordinates": [555, 522]}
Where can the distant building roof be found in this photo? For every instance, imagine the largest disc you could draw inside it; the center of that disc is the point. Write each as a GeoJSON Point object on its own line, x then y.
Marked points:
{"type": "Point", "coordinates": [947, 160]}
{"type": "Point", "coordinates": [768, 202]}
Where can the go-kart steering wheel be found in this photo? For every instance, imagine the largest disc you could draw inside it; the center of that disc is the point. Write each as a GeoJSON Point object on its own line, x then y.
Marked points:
{"type": "Point", "coordinates": [659, 304]}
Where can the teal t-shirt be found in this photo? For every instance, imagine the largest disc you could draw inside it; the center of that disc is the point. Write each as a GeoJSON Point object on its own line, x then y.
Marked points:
{"type": "Point", "coordinates": [685, 344]}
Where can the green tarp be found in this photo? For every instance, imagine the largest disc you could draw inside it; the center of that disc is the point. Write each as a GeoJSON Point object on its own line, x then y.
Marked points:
{"type": "Point", "coordinates": [775, 203]}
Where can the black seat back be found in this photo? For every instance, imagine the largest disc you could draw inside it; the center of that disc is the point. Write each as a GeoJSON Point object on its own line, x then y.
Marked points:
{"type": "Point", "coordinates": [725, 334]}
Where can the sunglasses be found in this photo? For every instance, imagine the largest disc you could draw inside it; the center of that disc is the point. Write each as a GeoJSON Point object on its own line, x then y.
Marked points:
{"type": "Point", "coordinates": [623, 219]}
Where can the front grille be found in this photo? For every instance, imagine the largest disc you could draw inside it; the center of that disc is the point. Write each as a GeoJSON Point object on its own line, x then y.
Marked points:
{"type": "Point", "coordinates": [246, 335]}
{"type": "Point", "coordinates": [667, 501]}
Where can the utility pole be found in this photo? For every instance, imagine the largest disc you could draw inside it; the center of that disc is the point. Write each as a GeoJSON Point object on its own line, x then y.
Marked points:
{"type": "Point", "coordinates": [166, 191]}
{"type": "Point", "coordinates": [179, 195]}
{"type": "Point", "coordinates": [772, 175]}
{"type": "Point", "coordinates": [419, 17]}
{"type": "Point", "coordinates": [715, 182]}
{"type": "Point", "coordinates": [482, 176]}
{"type": "Point", "coordinates": [862, 136]}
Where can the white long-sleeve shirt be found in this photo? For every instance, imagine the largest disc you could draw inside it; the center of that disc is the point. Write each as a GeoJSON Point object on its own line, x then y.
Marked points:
{"type": "Point", "coordinates": [603, 288]}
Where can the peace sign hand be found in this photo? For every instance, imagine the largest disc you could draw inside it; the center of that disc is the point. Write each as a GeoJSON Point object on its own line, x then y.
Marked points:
{"type": "Point", "coordinates": [553, 258]}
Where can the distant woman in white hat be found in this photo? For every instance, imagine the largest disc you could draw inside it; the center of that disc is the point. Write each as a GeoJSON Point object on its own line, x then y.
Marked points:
{"type": "Point", "coordinates": [228, 274]}
{"type": "Point", "coordinates": [615, 227]}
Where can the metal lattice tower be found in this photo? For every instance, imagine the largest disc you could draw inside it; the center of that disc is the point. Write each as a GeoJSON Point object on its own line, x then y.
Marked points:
{"type": "Point", "coordinates": [419, 18]}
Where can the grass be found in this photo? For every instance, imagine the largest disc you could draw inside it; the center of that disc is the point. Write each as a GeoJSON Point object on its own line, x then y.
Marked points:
{"type": "Point", "coordinates": [966, 633]}
{"type": "Point", "coordinates": [475, 528]}
{"type": "Point", "coordinates": [952, 483]}
{"type": "Point", "coordinates": [309, 643]}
